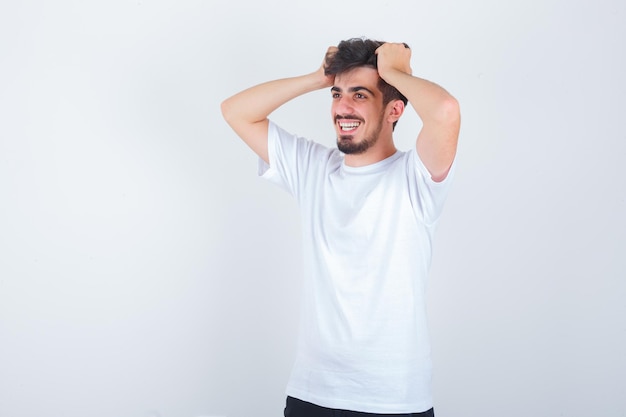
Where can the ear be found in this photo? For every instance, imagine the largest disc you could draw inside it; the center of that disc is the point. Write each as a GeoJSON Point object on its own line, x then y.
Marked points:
{"type": "Point", "coordinates": [395, 108]}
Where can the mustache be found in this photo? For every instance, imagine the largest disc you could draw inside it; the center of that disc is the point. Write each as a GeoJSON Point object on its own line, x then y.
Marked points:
{"type": "Point", "coordinates": [349, 117]}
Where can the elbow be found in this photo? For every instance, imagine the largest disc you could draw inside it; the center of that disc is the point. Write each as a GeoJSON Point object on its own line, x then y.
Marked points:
{"type": "Point", "coordinates": [447, 114]}
{"type": "Point", "coordinates": [227, 110]}
{"type": "Point", "coordinates": [450, 111]}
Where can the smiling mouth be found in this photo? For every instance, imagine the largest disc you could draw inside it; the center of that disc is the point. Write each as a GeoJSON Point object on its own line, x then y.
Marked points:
{"type": "Point", "coordinates": [349, 126]}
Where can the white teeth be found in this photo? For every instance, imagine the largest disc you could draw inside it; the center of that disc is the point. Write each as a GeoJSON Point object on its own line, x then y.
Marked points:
{"type": "Point", "coordinates": [349, 126]}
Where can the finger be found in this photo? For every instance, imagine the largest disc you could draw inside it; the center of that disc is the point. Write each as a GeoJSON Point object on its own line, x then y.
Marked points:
{"type": "Point", "coordinates": [387, 45]}
{"type": "Point", "coordinates": [328, 58]}
{"type": "Point", "coordinates": [331, 51]}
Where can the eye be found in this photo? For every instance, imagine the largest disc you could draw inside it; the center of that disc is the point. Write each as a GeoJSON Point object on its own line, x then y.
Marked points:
{"type": "Point", "coordinates": [336, 95]}
{"type": "Point", "coordinates": [360, 96]}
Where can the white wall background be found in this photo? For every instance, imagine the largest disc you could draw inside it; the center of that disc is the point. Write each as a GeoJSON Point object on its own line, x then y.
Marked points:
{"type": "Point", "coordinates": [146, 272]}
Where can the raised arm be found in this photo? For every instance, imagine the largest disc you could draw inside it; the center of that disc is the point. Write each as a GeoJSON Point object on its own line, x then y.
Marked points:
{"type": "Point", "coordinates": [438, 110]}
{"type": "Point", "coordinates": [246, 112]}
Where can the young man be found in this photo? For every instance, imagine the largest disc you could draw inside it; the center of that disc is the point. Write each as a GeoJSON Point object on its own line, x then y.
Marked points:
{"type": "Point", "coordinates": [368, 216]}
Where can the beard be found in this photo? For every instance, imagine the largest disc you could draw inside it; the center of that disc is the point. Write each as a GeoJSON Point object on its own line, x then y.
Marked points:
{"type": "Point", "coordinates": [348, 147]}
{"type": "Point", "coordinates": [346, 144]}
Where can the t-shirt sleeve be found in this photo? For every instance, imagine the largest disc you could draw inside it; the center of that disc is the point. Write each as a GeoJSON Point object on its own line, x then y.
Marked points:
{"type": "Point", "coordinates": [427, 196]}
{"type": "Point", "coordinates": [290, 159]}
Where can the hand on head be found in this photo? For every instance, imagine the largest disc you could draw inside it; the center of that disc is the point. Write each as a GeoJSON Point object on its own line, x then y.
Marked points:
{"type": "Point", "coordinates": [329, 79]}
{"type": "Point", "coordinates": [394, 57]}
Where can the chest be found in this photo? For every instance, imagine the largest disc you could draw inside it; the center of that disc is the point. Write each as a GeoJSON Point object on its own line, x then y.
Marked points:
{"type": "Point", "coordinates": [351, 212]}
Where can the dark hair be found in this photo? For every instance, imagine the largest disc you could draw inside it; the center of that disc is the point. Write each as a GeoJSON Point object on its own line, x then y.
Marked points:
{"type": "Point", "coordinates": [360, 52]}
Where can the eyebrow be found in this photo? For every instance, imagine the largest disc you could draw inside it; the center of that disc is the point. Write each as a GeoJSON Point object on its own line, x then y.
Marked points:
{"type": "Point", "coordinates": [353, 89]}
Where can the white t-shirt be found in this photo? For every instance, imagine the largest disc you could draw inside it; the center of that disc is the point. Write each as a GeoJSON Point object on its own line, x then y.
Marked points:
{"type": "Point", "coordinates": [367, 242]}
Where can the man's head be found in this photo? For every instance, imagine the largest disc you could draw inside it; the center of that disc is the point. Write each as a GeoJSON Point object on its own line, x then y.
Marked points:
{"type": "Point", "coordinates": [362, 101]}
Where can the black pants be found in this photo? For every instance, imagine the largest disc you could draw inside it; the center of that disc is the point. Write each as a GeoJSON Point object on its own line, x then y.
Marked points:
{"type": "Point", "coordinates": [299, 408]}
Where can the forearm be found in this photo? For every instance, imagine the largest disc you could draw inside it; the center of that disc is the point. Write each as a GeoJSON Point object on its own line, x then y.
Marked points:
{"type": "Point", "coordinates": [256, 103]}
{"type": "Point", "coordinates": [431, 102]}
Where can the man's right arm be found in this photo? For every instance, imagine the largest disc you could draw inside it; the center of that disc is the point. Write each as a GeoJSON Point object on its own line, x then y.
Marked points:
{"type": "Point", "coordinates": [246, 112]}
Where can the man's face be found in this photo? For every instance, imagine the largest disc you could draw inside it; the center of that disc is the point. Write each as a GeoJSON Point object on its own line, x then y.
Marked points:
{"type": "Point", "coordinates": [357, 110]}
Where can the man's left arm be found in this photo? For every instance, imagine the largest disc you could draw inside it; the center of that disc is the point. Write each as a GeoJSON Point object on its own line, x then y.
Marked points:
{"type": "Point", "coordinates": [439, 111]}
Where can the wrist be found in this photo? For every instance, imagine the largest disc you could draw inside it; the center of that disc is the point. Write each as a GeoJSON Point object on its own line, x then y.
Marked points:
{"type": "Point", "coordinates": [393, 76]}
{"type": "Point", "coordinates": [320, 80]}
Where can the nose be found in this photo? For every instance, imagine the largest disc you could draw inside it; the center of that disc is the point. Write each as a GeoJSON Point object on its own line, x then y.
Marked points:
{"type": "Point", "coordinates": [342, 106]}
